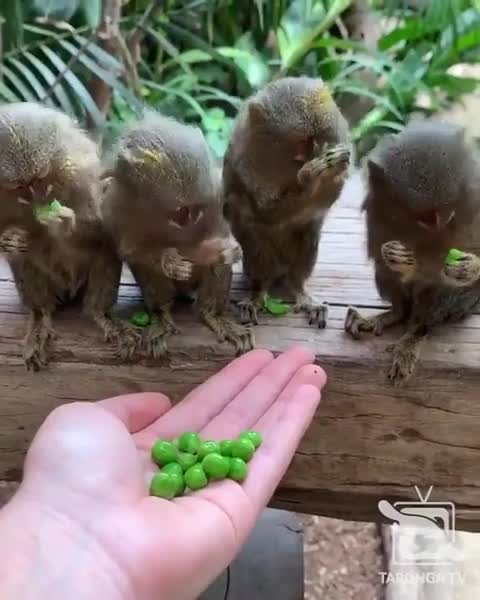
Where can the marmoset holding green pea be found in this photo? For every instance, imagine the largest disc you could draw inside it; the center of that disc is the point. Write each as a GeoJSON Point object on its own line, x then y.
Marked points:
{"type": "Point", "coordinates": [163, 206]}
{"type": "Point", "coordinates": [422, 205]}
{"type": "Point", "coordinates": [285, 166]}
{"type": "Point", "coordinates": [50, 222]}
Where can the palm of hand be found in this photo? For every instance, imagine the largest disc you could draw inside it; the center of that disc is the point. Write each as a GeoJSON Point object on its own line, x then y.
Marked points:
{"type": "Point", "coordinates": [91, 464]}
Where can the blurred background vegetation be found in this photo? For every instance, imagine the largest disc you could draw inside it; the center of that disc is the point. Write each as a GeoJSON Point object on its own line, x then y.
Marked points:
{"type": "Point", "coordinates": [103, 60]}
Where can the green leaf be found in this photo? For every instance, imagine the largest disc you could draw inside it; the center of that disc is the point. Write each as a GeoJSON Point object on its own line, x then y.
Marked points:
{"type": "Point", "coordinates": [214, 119]}
{"type": "Point", "coordinates": [452, 84]}
{"type": "Point", "coordinates": [91, 11]}
{"type": "Point", "coordinates": [259, 5]}
{"type": "Point", "coordinates": [16, 83]}
{"type": "Point", "coordinates": [414, 30]}
{"type": "Point", "coordinates": [50, 79]}
{"type": "Point", "coordinates": [464, 22]}
{"type": "Point", "coordinates": [103, 74]}
{"type": "Point", "coordinates": [381, 100]}
{"type": "Point", "coordinates": [251, 63]}
{"type": "Point", "coordinates": [217, 142]}
{"type": "Point", "coordinates": [295, 51]}
{"type": "Point", "coordinates": [171, 50]}
{"type": "Point", "coordinates": [189, 57]}
{"type": "Point", "coordinates": [31, 78]}
{"type": "Point", "coordinates": [196, 41]}
{"type": "Point", "coordinates": [171, 91]}
{"type": "Point", "coordinates": [371, 120]}
{"type": "Point", "coordinates": [43, 31]}
{"type": "Point", "coordinates": [104, 59]}
{"type": "Point", "coordinates": [7, 93]}
{"type": "Point", "coordinates": [11, 22]}
{"type": "Point", "coordinates": [78, 88]}
{"type": "Point", "coordinates": [57, 10]}
{"type": "Point", "coordinates": [218, 95]}
{"type": "Point", "coordinates": [332, 42]}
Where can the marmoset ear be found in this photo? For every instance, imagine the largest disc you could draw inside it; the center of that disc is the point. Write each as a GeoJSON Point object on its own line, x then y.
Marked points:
{"type": "Point", "coordinates": [256, 114]}
{"type": "Point", "coordinates": [376, 174]}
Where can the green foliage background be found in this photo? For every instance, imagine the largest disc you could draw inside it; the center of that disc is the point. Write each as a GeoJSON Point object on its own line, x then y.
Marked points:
{"type": "Point", "coordinates": [200, 58]}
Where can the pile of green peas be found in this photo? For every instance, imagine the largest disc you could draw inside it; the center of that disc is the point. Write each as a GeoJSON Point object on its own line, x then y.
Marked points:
{"type": "Point", "coordinates": [190, 463]}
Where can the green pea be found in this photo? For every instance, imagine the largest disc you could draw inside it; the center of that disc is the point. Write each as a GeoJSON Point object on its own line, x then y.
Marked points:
{"type": "Point", "coordinates": [164, 452]}
{"type": "Point", "coordinates": [195, 478]}
{"type": "Point", "coordinates": [253, 436]}
{"type": "Point", "coordinates": [216, 466]}
{"type": "Point", "coordinates": [176, 472]}
{"type": "Point", "coordinates": [275, 306]}
{"type": "Point", "coordinates": [238, 469]}
{"type": "Point", "coordinates": [454, 256]}
{"type": "Point", "coordinates": [174, 468]}
{"type": "Point", "coordinates": [189, 442]}
{"type": "Point", "coordinates": [243, 448]}
{"type": "Point", "coordinates": [140, 318]}
{"type": "Point", "coordinates": [186, 460]}
{"type": "Point", "coordinates": [163, 485]}
{"type": "Point", "coordinates": [179, 484]}
{"type": "Point", "coordinates": [226, 447]}
{"type": "Point", "coordinates": [208, 447]}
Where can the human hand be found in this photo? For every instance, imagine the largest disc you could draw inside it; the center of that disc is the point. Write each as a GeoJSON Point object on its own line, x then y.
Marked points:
{"type": "Point", "coordinates": [82, 522]}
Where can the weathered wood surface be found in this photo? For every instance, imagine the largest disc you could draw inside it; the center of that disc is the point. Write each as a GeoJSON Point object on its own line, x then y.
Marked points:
{"type": "Point", "coordinates": [369, 441]}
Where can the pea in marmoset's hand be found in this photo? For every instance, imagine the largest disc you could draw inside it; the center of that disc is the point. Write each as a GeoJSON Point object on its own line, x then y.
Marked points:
{"type": "Point", "coordinates": [84, 504]}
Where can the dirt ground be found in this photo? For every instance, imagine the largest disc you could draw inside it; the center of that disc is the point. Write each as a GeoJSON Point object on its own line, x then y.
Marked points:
{"type": "Point", "coordinates": [342, 560]}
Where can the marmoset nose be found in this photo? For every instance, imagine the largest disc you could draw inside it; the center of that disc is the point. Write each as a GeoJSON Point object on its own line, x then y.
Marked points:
{"type": "Point", "coordinates": [40, 191]}
{"type": "Point", "coordinates": [436, 220]}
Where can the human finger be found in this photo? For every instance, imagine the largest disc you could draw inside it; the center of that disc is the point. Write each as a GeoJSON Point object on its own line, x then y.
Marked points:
{"type": "Point", "coordinates": [257, 397]}
{"type": "Point", "coordinates": [283, 428]}
{"type": "Point", "coordinates": [310, 374]}
{"type": "Point", "coordinates": [203, 403]}
{"type": "Point", "coordinates": [243, 503]}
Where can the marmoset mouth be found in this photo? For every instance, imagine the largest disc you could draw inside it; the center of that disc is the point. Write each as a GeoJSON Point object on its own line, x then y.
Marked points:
{"type": "Point", "coordinates": [33, 196]}
{"type": "Point", "coordinates": [435, 221]}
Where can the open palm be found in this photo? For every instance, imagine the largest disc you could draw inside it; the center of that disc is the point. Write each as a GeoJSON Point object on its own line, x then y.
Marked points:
{"type": "Point", "coordinates": [90, 466]}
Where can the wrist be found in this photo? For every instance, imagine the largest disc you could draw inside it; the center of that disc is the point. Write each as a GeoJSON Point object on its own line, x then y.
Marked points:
{"type": "Point", "coordinates": [47, 554]}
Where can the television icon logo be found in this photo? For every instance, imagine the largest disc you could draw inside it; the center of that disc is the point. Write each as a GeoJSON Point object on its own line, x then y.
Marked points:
{"type": "Point", "coordinates": [423, 532]}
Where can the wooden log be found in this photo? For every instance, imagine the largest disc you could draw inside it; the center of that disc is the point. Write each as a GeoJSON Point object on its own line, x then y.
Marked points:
{"type": "Point", "coordinates": [369, 441]}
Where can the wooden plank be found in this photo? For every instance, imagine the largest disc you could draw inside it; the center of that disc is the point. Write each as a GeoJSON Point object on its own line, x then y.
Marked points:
{"type": "Point", "coordinates": [368, 442]}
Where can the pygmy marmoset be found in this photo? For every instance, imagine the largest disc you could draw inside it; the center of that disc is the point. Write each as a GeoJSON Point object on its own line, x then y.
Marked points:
{"type": "Point", "coordinates": [284, 168]}
{"type": "Point", "coordinates": [46, 156]}
{"type": "Point", "coordinates": [423, 199]}
{"type": "Point", "coordinates": [164, 194]}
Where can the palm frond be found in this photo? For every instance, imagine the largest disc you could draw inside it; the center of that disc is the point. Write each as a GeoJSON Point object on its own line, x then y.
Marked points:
{"type": "Point", "coordinates": [55, 68]}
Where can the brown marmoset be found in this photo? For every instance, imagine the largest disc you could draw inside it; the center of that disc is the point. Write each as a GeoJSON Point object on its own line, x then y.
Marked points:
{"type": "Point", "coordinates": [164, 207]}
{"type": "Point", "coordinates": [284, 168]}
{"type": "Point", "coordinates": [46, 156]}
{"type": "Point", "coordinates": [422, 200]}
